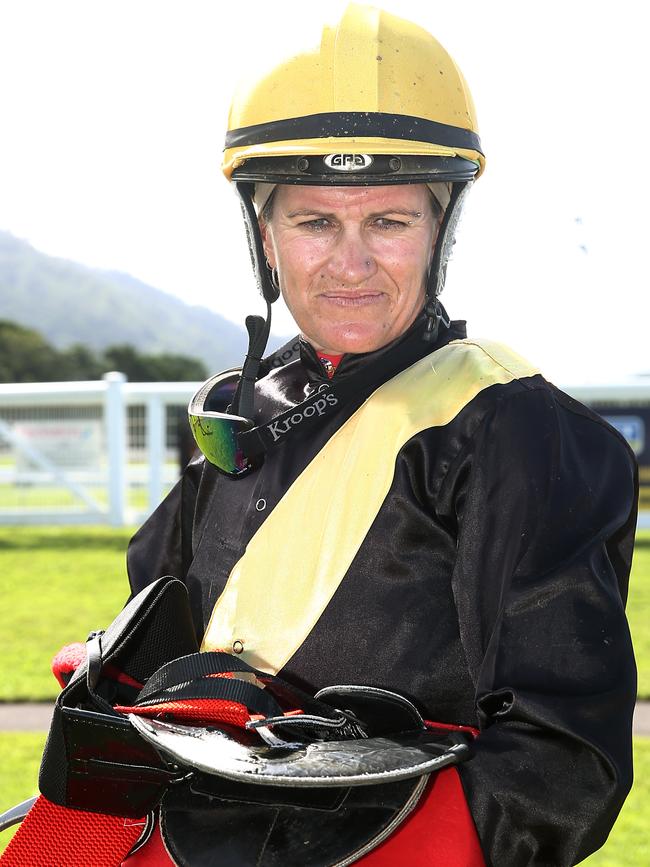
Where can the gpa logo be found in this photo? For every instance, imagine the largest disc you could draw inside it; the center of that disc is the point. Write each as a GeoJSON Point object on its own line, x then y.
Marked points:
{"type": "Point", "coordinates": [348, 162]}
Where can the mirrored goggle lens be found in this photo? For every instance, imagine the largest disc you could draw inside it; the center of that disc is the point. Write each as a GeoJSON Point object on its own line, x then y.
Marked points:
{"type": "Point", "coordinates": [216, 436]}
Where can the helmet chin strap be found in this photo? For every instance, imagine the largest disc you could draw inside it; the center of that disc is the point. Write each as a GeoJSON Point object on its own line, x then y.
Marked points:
{"type": "Point", "coordinates": [435, 314]}
{"type": "Point", "coordinates": [268, 290]}
{"type": "Point", "coordinates": [258, 328]}
{"type": "Point", "coordinates": [434, 310]}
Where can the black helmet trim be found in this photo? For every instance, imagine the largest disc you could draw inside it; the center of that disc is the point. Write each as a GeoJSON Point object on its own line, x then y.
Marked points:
{"type": "Point", "coordinates": [446, 239]}
{"type": "Point", "coordinates": [346, 169]}
{"type": "Point", "coordinates": [355, 124]}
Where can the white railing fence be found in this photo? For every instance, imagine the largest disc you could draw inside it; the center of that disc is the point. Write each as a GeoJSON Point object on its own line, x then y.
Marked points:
{"type": "Point", "coordinates": [108, 451]}
{"type": "Point", "coordinates": [89, 452]}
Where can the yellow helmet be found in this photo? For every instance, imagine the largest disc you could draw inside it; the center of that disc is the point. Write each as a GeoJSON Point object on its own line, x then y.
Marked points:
{"type": "Point", "coordinates": [377, 96]}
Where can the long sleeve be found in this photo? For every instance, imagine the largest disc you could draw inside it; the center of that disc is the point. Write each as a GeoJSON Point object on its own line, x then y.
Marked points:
{"type": "Point", "coordinates": [163, 544]}
{"type": "Point", "coordinates": [546, 508]}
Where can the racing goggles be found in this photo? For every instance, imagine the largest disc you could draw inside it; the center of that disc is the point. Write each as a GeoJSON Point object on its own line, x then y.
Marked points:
{"type": "Point", "coordinates": [233, 443]}
{"type": "Point", "coordinates": [215, 430]}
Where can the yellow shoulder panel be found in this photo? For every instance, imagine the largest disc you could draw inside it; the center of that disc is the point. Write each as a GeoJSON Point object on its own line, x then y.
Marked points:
{"type": "Point", "coordinates": [301, 553]}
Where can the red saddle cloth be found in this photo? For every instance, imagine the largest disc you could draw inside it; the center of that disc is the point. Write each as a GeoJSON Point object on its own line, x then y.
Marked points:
{"type": "Point", "coordinates": [439, 833]}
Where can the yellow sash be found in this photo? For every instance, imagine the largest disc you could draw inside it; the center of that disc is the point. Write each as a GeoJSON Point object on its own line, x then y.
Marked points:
{"type": "Point", "coordinates": [301, 553]}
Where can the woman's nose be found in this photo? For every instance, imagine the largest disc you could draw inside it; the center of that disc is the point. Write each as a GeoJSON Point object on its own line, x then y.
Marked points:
{"type": "Point", "coordinates": [351, 262]}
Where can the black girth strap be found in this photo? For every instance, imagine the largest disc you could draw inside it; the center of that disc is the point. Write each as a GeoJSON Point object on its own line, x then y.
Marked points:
{"type": "Point", "coordinates": [189, 677]}
{"type": "Point", "coordinates": [225, 689]}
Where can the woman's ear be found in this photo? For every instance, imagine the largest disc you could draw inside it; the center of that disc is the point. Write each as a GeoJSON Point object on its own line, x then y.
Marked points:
{"type": "Point", "coordinates": [267, 242]}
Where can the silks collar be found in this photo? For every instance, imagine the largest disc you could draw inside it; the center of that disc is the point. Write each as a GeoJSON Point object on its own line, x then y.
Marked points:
{"type": "Point", "coordinates": [236, 445]}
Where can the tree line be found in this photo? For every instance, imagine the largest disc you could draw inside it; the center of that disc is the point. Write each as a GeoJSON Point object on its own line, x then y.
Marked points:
{"type": "Point", "coordinates": [26, 356]}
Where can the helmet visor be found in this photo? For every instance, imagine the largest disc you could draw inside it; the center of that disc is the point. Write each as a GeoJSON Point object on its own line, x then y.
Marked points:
{"type": "Point", "coordinates": [214, 429]}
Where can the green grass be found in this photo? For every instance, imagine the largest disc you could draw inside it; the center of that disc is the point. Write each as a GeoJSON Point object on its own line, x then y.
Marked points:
{"type": "Point", "coordinates": [56, 583]}
{"type": "Point", "coordinates": [628, 844]}
{"type": "Point", "coordinates": [20, 758]}
{"type": "Point", "coordinates": [46, 497]}
{"type": "Point", "coordinates": [638, 611]}
{"type": "Point", "coordinates": [37, 497]}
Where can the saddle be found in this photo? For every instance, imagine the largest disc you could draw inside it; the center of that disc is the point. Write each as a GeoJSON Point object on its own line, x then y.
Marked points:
{"type": "Point", "coordinates": [241, 767]}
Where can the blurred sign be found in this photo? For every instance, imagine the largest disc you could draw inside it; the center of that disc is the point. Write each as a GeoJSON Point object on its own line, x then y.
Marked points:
{"type": "Point", "coordinates": [69, 444]}
{"type": "Point", "coordinates": [632, 427]}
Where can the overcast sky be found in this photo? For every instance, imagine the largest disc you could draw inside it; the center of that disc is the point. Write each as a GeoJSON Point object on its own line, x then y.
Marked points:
{"type": "Point", "coordinates": [113, 117]}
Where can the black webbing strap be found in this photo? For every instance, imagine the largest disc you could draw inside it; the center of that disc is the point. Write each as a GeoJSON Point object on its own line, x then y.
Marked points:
{"type": "Point", "coordinates": [195, 668]}
{"type": "Point", "coordinates": [218, 689]}
{"type": "Point", "coordinates": [94, 662]}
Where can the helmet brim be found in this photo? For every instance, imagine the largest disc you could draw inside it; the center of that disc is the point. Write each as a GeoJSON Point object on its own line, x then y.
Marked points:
{"type": "Point", "coordinates": [348, 169]}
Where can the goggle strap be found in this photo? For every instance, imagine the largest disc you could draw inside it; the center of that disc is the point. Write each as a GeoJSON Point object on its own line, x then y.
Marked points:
{"type": "Point", "coordinates": [265, 437]}
{"type": "Point", "coordinates": [328, 399]}
{"type": "Point", "coordinates": [288, 352]}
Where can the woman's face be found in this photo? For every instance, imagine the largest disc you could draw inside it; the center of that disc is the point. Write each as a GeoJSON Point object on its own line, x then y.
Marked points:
{"type": "Point", "coordinates": [352, 261]}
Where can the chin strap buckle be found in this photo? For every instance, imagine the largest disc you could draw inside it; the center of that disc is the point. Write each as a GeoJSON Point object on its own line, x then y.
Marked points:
{"type": "Point", "coordinates": [435, 314]}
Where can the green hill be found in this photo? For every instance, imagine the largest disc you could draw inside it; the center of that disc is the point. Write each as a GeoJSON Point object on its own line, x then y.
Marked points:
{"type": "Point", "coordinates": [70, 303]}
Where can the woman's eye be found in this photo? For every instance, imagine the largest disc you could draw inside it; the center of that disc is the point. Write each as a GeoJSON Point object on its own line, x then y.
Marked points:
{"type": "Point", "coordinates": [317, 225]}
{"type": "Point", "coordinates": [385, 223]}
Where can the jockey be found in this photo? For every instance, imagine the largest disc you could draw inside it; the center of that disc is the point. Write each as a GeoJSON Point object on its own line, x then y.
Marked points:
{"type": "Point", "coordinates": [387, 503]}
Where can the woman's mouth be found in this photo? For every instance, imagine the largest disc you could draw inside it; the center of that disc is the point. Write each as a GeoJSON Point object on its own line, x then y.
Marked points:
{"type": "Point", "coordinates": [353, 299]}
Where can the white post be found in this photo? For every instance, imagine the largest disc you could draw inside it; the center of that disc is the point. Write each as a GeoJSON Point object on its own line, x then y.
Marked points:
{"type": "Point", "coordinates": [115, 418]}
{"type": "Point", "coordinates": [156, 442]}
